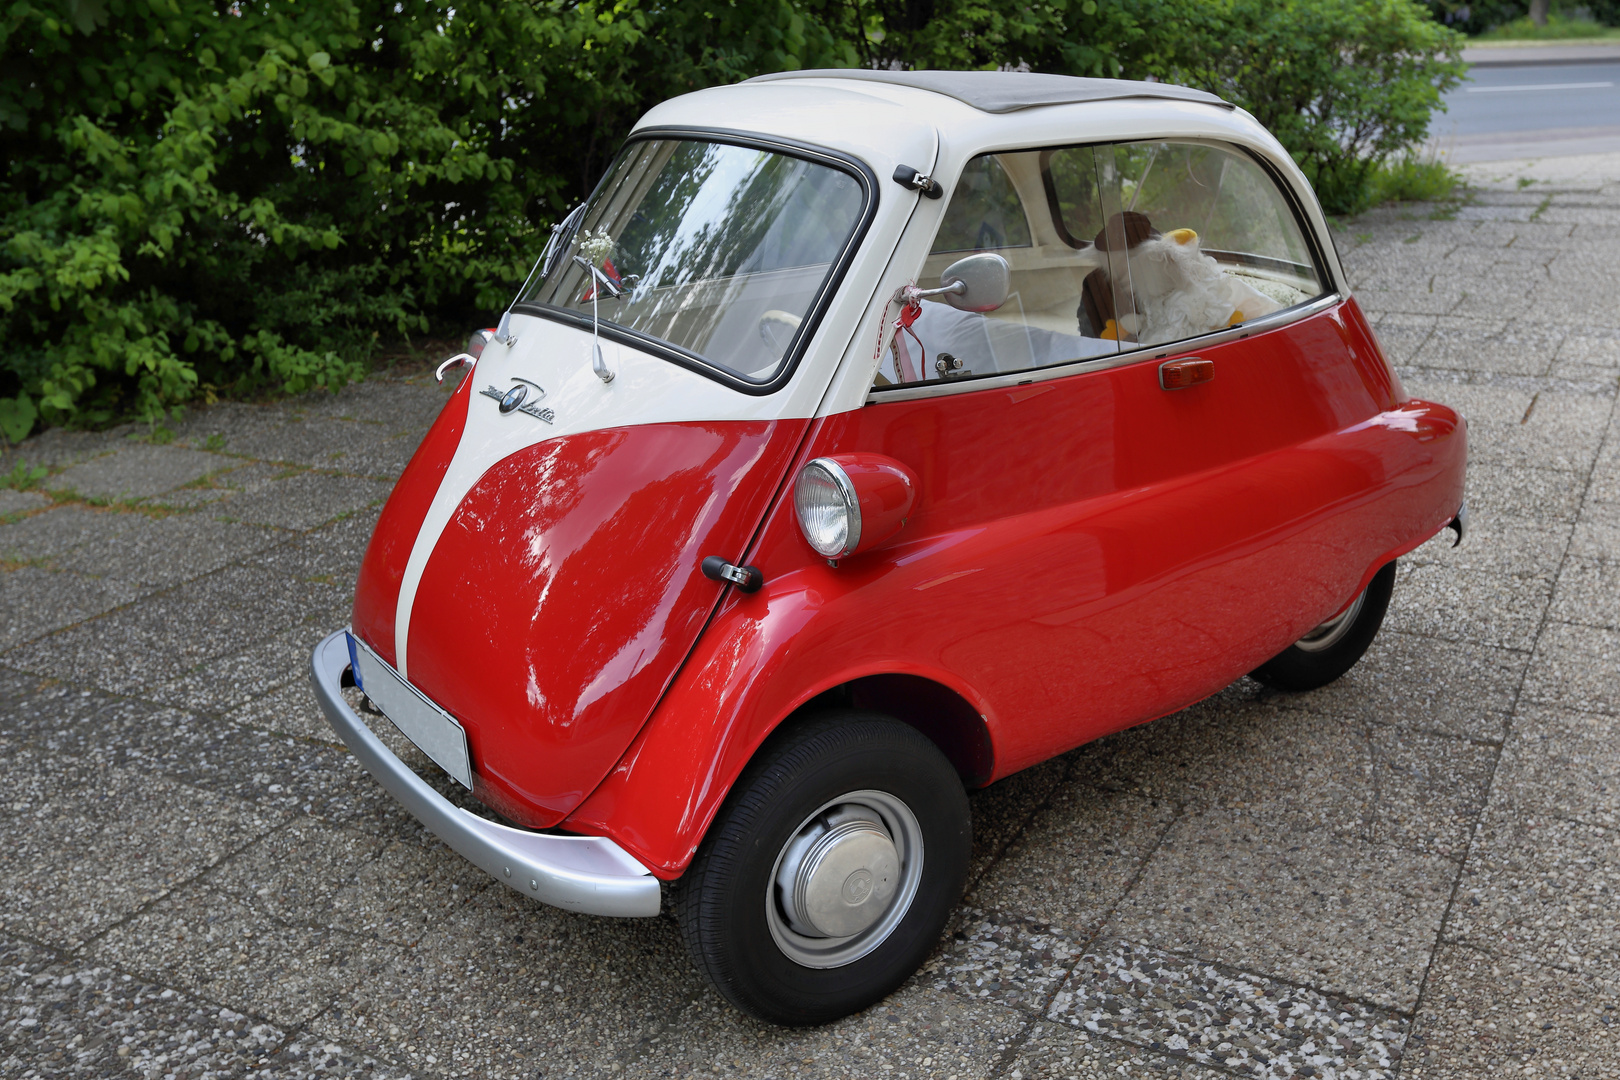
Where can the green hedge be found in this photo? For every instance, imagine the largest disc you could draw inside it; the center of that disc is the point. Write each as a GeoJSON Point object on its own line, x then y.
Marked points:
{"type": "Point", "coordinates": [201, 199]}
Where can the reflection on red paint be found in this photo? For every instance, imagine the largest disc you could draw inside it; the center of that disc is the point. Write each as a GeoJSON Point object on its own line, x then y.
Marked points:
{"type": "Point", "coordinates": [565, 591]}
{"type": "Point", "coordinates": [1077, 561]}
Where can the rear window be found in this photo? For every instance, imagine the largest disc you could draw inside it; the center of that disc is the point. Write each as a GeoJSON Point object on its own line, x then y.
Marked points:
{"type": "Point", "coordinates": [720, 250]}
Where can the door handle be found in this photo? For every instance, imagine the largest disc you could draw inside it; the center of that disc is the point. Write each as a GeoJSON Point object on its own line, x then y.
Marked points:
{"type": "Point", "coordinates": [1180, 374]}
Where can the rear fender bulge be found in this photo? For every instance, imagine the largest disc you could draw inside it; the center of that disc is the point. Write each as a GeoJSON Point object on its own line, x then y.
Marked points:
{"type": "Point", "coordinates": [382, 570]}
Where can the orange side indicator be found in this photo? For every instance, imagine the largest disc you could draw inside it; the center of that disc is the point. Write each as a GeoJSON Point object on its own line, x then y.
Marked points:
{"type": "Point", "coordinates": [1178, 374]}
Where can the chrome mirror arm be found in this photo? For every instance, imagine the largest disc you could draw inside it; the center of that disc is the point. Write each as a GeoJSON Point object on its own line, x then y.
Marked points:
{"type": "Point", "coordinates": [955, 288]}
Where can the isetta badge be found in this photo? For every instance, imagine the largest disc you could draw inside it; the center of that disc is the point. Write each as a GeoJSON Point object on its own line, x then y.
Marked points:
{"type": "Point", "coordinates": [953, 420]}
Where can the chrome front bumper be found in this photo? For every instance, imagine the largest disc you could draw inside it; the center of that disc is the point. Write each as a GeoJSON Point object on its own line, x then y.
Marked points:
{"type": "Point", "coordinates": [579, 873]}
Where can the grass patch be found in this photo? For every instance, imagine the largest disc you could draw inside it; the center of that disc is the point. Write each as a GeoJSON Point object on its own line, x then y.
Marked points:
{"type": "Point", "coordinates": [1417, 178]}
{"type": "Point", "coordinates": [22, 478]}
{"type": "Point", "coordinates": [1558, 28]}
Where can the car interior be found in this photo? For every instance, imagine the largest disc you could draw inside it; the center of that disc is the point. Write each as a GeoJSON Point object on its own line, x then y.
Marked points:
{"type": "Point", "coordinates": [1107, 247]}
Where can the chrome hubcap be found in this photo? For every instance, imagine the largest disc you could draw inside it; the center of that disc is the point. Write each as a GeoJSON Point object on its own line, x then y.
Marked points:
{"type": "Point", "coordinates": [1332, 632]}
{"type": "Point", "coordinates": [845, 879]}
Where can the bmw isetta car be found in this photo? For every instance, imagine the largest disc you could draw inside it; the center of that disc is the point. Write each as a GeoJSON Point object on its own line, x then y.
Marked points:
{"type": "Point", "coordinates": [865, 438]}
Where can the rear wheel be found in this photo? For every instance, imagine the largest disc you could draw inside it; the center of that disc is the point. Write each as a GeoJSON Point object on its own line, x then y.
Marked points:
{"type": "Point", "coordinates": [828, 875]}
{"type": "Point", "coordinates": [1333, 648]}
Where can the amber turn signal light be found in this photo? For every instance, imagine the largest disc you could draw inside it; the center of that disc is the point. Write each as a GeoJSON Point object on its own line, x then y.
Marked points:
{"type": "Point", "coordinates": [1178, 374]}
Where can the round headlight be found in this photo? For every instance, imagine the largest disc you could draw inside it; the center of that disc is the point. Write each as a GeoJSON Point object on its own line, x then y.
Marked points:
{"type": "Point", "coordinates": [829, 510]}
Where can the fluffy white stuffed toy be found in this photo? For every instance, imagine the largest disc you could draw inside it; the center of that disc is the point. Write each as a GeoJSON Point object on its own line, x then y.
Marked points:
{"type": "Point", "coordinates": [1181, 292]}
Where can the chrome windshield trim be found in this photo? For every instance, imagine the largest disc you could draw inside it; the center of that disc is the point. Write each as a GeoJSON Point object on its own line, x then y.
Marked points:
{"type": "Point", "coordinates": [1274, 321]}
{"type": "Point", "coordinates": [591, 874]}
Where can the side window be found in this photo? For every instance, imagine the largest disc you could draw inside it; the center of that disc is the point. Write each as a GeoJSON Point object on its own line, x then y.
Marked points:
{"type": "Point", "coordinates": [1105, 248]}
{"type": "Point", "coordinates": [1040, 321]}
{"type": "Point", "coordinates": [1209, 242]}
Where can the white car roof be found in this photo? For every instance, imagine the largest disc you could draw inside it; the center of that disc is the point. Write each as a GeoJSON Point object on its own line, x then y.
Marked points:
{"type": "Point", "coordinates": [934, 121]}
{"type": "Point", "coordinates": [1008, 91]}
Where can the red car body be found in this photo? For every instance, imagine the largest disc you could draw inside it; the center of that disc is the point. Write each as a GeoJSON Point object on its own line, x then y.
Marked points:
{"type": "Point", "coordinates": [1072, 553]}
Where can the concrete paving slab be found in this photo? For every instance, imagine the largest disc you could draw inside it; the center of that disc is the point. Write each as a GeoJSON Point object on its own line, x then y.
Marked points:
{"type": "Point", "coordinates": [1460, 605]}
{"type": "Point", "coordinates": [68, 1018]}
{"type": "Point", "coordinates": [1343, 916]}
{"type": "Point", "coordinates": [1076, 860]}
{"type": "Point", "coordinates": [157, 551]}
{"type": "Point", "coordinates": [136, 471]}
{"type": "Point", "coordinates": [1490, 1015]}
{"type": "Point", "coordinates": [285, 972]}
{"type": "Point", "coordinates": [1597, 534]}
{"type": "Point", "coordinates": [1523, 349]}
{"type": "Point", "coordinates": [1453, 688]}
{"type": "Point", "coordinates": [59, 531]}
{"type": "Point", "coordinates": [180, 628]}
{"type": "Point", "coordinates": [13, 501]}
{"type": "Point", "coordinates": [1588, 593]}
{"type": "Point", "coordinates": [306, 500]}
{"type": "Point", "coordinates": [98, 851]}
{"type": "Point", "coordinates": [1498, 543]}
{"type": "Point", "coordinates": [1576, 667]}
{"type": "Point", "coordinates": [918, 1032]}
{"type": "Point", "coordinates": [1012, 960]}
{"type": "Point", "coordinates": [287, 710]}
{"type": "Point", "coordinates": [34, 601]}
{"type": "Point", "coordinates": [294, 873]}
{"type": "Point", "coordinates": [1428, 790]}
{"type": "Point", "coordinates": [1564, 764]}
{"type": "Point", "coordinates": [1234, 1020]}
{"type": "Point", "coordinates": [1002, 811]}
{"type": "Point", "coordinates": [1551, 496]}
{"type": "Point", "coordinates": [1542, 888]}
{"type": "Point", "coordinates": [1059, 1052]}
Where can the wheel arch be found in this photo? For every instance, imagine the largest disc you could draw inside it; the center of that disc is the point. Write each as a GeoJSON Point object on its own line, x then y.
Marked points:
{"type": "Point", "coordinates": [662, 797]}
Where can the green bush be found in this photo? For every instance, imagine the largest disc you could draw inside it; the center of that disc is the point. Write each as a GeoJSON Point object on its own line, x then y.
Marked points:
{"type": "Point", "coordinates": [227, 198]}
{"type": "Point", "coordinates": [1345, 85]}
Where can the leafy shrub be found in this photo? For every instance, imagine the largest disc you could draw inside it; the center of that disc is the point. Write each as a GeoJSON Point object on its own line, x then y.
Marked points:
{"type": "Point", "coordinates": [1343, 84]}
{"type": "Point", "coordinates": [1558, 28]}
{"type": "Point", "coordinates": [208, 196]}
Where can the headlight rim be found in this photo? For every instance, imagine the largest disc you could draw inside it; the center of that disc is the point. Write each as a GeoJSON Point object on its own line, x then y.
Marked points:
{"type": "Point", "coordinates": [852, 506]}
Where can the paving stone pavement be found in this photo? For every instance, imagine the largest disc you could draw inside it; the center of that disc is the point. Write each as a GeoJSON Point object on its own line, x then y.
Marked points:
{"type": "Point", "coordinates": [1414, 872]}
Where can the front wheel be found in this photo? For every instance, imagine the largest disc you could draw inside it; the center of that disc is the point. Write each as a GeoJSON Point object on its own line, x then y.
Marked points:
{"type": "Point", "coordinates": [828, 875]}
{"type": "Point", "coordinates": [1333, 648]}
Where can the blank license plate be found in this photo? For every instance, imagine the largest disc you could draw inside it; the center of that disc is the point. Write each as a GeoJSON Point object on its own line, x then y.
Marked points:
{"type": "Point", "coordinates": [435, 732]}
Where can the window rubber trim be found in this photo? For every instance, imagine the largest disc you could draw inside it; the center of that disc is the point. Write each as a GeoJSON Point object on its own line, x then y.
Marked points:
{"type": "Point", "coordinates": [696, 362]}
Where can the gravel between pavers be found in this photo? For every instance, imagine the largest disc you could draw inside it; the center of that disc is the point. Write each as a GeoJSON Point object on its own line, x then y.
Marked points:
{"type": "Point", "coordinates": [1411, 873]}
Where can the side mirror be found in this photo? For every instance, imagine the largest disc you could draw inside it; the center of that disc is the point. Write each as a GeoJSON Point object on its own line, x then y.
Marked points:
{"type": "Point", "coordinates": [977, 283]}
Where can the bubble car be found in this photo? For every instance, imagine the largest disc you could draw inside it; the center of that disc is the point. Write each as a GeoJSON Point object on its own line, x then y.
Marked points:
{"type": "Point", "coordinates": [865, 438]}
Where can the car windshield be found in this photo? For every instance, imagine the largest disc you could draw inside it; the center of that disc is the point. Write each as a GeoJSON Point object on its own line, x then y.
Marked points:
{"type": "Point", "coordinates": [719, 250]}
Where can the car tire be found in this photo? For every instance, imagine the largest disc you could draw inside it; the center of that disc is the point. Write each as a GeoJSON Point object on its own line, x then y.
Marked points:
{"type": "Point", "coordinates": [1334, 647]}
{"type": "Point", "coordinates": [848, 821]}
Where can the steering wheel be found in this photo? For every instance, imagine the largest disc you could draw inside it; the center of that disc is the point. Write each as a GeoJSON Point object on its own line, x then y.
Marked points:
{"type": "Point", "coordinates": [776, 330]}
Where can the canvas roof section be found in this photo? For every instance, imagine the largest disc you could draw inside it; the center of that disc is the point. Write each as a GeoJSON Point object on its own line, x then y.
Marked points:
{"type": "Point", "coordinates": [1009, 91]}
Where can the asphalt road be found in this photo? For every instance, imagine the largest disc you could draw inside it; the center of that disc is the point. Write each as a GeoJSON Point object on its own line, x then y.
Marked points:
{"type": "Point", "coordinates": [1514, 112]}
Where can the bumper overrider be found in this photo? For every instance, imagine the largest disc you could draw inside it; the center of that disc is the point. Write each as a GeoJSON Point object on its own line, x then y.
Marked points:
{"type": "Point", "coordinates": [591, 874]}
